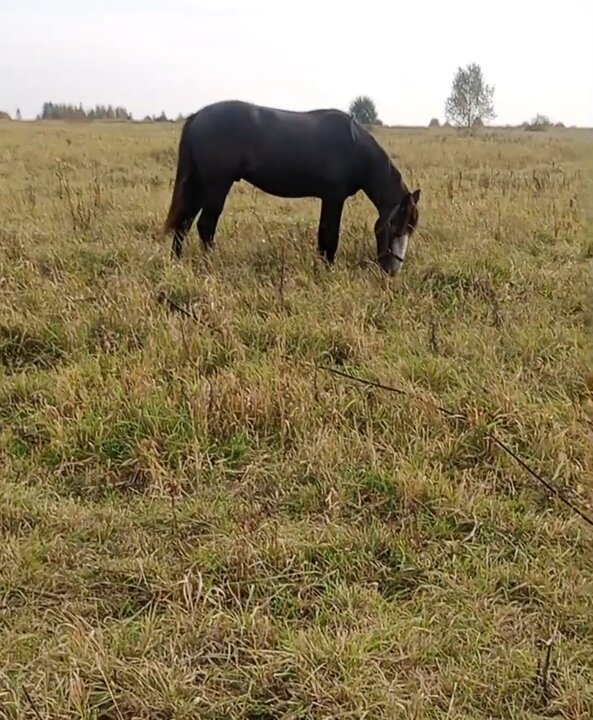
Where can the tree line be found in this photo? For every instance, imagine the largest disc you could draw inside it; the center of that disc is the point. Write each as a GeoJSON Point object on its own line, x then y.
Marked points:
{"type": "Point", "coordinates": [66, 111]}
{"type": "Point", "coordinates": [69, 111]}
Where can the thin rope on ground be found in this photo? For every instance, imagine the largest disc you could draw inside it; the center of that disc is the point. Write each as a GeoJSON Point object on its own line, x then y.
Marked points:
{"type": "Point", "coordinates": [449, 413]}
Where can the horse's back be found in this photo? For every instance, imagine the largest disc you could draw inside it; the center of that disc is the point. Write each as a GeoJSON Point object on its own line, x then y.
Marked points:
{"type": "Point", "coordinates": [253, 122]}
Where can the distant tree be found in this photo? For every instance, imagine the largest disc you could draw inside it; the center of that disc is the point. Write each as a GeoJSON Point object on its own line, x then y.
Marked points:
{"type": "Point", "coordinates": [434, 123]}
{"type": "Point", "coordinates": [122, 114]}
{"type": "Point", "coordinates": [4, 115]}
{"type": "Point", "coordinates": [18, 114]}
{"type": "Point", "coordinates": [470, 97]}
{"type": "Point", "coordinates": [363, 109]}
{"type": "Point", "coordinates": [540, 123]}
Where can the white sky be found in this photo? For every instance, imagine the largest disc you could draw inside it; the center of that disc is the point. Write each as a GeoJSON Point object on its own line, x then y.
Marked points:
{"type": "Point", "coordinates": [177, 55]}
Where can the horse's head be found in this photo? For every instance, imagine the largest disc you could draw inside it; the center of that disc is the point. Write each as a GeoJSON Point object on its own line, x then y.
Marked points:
{"type": "Point", "coordinates": [394, 231]}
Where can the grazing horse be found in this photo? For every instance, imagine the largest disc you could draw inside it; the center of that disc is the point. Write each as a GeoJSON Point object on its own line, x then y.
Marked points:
{"type": "Point", "coordinates": [324, 154]}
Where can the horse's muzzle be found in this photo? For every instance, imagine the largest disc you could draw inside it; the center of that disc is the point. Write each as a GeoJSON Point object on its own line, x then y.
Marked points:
{"type": "Point", "coordinates": [391, 263]}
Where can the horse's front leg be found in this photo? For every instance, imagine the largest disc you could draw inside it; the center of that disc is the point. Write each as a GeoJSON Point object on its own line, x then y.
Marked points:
{"type": "Point", "coordinates": [328, 234]}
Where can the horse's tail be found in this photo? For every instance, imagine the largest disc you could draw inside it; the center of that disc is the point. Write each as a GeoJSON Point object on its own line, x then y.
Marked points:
{"type": "Point", "coordinates": [182, 177]}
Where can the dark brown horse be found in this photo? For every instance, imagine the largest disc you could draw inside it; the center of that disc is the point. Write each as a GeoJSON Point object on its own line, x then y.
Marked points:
{"type": "Point", "coordinates": [321, 153]}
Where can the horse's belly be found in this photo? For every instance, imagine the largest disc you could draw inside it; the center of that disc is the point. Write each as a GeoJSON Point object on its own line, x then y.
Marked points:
{"type": "Point", "coordinates": [290, 186]}
{"type": "Point", "coordinates": [289, 191]}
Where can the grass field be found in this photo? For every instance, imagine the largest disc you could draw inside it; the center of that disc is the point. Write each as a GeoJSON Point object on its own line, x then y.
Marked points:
{"type": "Point", "coordinates": [195, 524]}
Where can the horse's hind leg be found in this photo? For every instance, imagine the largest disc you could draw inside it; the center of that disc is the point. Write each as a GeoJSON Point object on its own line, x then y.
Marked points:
{"type": "Point", "coordinates": [180, 233]}
{"type": "Point", "coordinates": [213, 205]}
{"type": "Point", "coordinates": [329, 227]}
{"type": "Point", "coordinates": [191, 207]}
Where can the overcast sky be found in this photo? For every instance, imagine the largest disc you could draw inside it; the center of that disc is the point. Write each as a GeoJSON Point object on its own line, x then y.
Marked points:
{"type": "Point", "coordinates": [177, 55]}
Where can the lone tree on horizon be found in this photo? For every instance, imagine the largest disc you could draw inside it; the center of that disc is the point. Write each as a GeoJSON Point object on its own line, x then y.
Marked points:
{"type": "Point", "coordinates": [363, 109]}
{"type": "Point", "coordinates": [471, 97]}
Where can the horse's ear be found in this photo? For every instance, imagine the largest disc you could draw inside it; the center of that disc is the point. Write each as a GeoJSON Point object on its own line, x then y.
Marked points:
{"type": "Point", "coordinates": [416, 195]}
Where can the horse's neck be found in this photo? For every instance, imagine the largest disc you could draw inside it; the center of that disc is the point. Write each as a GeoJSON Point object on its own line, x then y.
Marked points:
{"type": "Point", "coordinates": [385, 187]}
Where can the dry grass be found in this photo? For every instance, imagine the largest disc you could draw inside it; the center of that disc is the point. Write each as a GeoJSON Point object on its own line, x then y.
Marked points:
{"type": "Point", "coordinates": [194, 526]}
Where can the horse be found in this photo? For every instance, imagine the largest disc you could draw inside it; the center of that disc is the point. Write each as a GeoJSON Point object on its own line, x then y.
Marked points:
{"type": "Point", "coordinates": [323, 153]}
